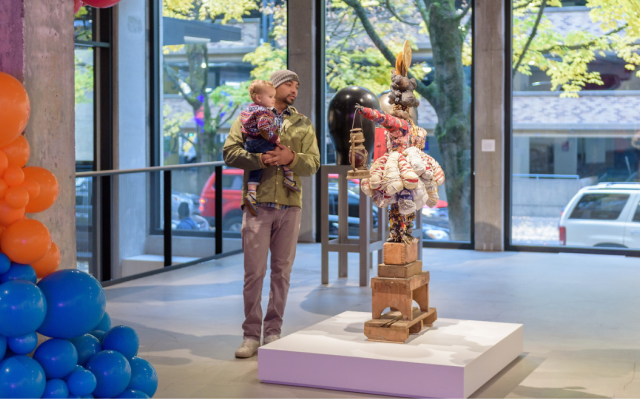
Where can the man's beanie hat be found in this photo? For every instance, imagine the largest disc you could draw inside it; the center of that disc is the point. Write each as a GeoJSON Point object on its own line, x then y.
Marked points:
{"type": "Point", "coordinates": [282, 76]}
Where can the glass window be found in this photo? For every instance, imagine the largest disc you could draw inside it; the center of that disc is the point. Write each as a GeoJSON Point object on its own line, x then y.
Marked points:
{"type": "Point", "coordinates": [362, 39]}
{"type": "Point", "coordinates": [574, 113]}
{"type": "Point", "coordinates": [84, 89]}
{"type": "Point", "coordinates": [604, 206]}
{"type": "Point", "coordinates": [86, 56]}
{"type": "Point", "coordinates": [210, 54]}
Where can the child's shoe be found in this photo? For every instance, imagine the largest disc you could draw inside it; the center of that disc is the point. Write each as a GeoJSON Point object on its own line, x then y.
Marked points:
{"type": "Point", "coordinates": [251, 203]}
{"type": "Point", "coordinates": [291, 184]}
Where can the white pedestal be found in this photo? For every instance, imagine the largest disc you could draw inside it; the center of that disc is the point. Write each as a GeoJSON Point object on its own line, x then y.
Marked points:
{"type": "Point", "coordinates": [450, 360]}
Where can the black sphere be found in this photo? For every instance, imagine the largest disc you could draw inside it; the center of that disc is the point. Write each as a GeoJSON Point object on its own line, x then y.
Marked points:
{"type": "Point", "coordinates": [342, 110]}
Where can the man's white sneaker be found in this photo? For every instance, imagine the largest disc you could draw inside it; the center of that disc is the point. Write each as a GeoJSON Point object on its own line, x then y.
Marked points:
{"type": "Point", "coordinates": [248, 348]}
{"type": "Point", "coordinates": [270, 339]}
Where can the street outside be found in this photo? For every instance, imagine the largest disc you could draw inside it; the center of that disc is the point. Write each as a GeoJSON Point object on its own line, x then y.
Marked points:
{"type": "Point", "coordinates": [535, 231]}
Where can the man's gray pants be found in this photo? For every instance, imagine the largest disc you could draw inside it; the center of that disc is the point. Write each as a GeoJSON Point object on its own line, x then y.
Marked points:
{"type": "Point", "coordinates": [275, 230]}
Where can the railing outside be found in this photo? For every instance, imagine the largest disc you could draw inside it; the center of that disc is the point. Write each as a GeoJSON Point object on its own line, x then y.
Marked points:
{"type": "Point", "coordinates": [547, 176]}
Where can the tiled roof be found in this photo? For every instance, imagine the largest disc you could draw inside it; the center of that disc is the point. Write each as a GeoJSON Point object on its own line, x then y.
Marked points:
{"type": "Point", "coordinates": [545, 110]}
{"type": "Point", "coordinates": [583, 110]}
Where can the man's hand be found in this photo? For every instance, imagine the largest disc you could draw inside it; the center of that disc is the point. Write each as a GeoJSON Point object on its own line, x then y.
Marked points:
{"type": "Point", "coordinates": [281, 155]}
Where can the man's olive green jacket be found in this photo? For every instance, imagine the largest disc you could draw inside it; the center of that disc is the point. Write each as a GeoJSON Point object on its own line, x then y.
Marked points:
{"type": "Point", "coordinates": [297, 133]}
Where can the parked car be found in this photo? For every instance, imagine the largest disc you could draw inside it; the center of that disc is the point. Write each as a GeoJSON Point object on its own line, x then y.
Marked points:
{"type": "Point", "coordinates": [353, 217]}
{"type": "Point", "coordinates": [605, 215]}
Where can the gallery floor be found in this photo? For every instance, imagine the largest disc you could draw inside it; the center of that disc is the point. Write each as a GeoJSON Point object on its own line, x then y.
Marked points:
{"type": "Point", "coordinates": [580, 315]}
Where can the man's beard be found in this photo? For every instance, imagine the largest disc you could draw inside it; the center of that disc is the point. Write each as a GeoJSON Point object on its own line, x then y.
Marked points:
{"type": "Point", "coordinates": [289, 102]}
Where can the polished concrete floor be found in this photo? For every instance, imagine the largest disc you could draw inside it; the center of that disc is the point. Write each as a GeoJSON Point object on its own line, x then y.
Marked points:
{"type": "Point", "coordinates": [581, 315]}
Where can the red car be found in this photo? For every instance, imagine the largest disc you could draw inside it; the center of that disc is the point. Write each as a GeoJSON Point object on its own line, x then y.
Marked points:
{"type": "Point", "coordinates": [231, 199]}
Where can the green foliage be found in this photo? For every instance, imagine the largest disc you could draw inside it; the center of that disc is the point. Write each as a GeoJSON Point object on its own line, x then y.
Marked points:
{"type": "Point", "coordinates": [224, 10]}
{"type": "Point", "coordinates": [83, 81]}
{"type": "Point", "coordinates": [266, 60]}
{"type": "Point", "coordinates": [565, 57]}
{"type": "Point", "coordinates": [223, 103]}
{"type": "Point", "coordinates": [352, 58]}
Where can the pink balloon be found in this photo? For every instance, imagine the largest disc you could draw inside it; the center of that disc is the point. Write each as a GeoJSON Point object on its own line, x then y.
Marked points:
{"type": "Point", "coordinates": [76, 6]}
{"type": "Point", "coordinates": [101, 3]}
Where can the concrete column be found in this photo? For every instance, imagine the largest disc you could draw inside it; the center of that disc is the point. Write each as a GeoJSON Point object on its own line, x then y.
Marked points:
{"type": "Point", "coordinates": [489, 125]}
{"type": "Point", "coordinates": [565, 156]}
{"type": "Point", "coordinates": [36, 47]}
{"type": "Point", "coordinates": [301, 31]}
{"type": "Point", "coordinates": [131, 194]}
{"type": "Point", "coordinates": [521, 157]}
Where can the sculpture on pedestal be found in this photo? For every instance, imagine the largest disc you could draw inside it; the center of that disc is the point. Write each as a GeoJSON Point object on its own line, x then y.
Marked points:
{"type": "Point", "coordinates": [404, 179]}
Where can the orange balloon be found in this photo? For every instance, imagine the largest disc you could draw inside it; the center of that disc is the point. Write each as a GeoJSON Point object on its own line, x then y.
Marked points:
{"type": "Point", "coordinates": [8, 214]}
{"type": "Point", "coordinates": [48, 189]}
{"type": "Point", "coordinates": [14, 108]}
{"type": "Point", "coordinates": [4, 162]}
{"type": "Point", "coordinates": [18, 152]}
{"type": "Point", "coordinates": [2, 229]}
{"type": "Point", "coordinates": [32, 187]}
{"type": "Point", "coordinates": [14, 176]}
{"type": "Point", "coordinates": [49, 263]}
{"type": "Point", "coordinates": [3, 188]}
{"type": "Point", "coordinates": [17, 197]}
{"type": "Point", "coordinates": [26, 241]}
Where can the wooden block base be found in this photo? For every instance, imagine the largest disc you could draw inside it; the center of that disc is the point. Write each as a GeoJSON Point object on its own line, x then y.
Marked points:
{"type": "Point", "coordinates": [393, 329]}
{"type": "Point", "coordinates": [400, 271]}
{"type": "Point", "coordinates": [400, 253]}
{"type": "Point", "coordinates": [399, 293]}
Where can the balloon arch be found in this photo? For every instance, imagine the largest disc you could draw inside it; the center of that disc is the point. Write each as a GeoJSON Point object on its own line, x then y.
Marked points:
{"type": "Point", "coordinates": [78, 354]}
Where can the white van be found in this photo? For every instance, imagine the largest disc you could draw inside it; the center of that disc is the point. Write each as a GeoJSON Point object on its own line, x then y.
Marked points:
{"type": "Point", "coordinates": [606, 215]}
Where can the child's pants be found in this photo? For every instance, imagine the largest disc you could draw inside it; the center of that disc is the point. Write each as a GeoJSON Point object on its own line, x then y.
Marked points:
{"type": "Point", "coordinates": [257, 146]}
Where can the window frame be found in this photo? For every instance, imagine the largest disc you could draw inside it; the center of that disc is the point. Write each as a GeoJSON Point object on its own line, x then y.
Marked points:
{"type": "Point", "coordinates": [320, 110]}
{"type": "Point", "coordinates": [508, 145]}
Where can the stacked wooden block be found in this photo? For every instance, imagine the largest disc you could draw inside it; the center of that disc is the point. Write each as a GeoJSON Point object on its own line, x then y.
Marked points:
{"type": "Point", "coordinates": [400, 281]}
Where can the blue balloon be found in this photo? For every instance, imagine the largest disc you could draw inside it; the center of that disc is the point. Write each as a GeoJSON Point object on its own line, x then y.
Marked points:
{"type": "Point", "coordinates": [143, 376]}
{"type": "Point", "coordinates": [105, 323]}
{"type": "Point", "coordinates": [3, 346]}
{"type": "Point", "coordinates": [23, 344]}
{"type": "Point", "coordinates": [112, 371]}
{"type": "Point", "coordinates": [56, 389]}
{"type": "Point", "coordinates": [21, 377]}
{"type": "Point", "coordinates": [87, 346]}
{"type": "Point", "coordinates": [74, 396]}
{"type": "Point", "coordinates": [81, 382]}
{"type": "Point", "coordinates": [5, 263]}
{"type": "Point", "coordinates": [122, 339]}
{"type": "Point", "coordinates": [19, 271]}
{"type": "Point", "coordinates": [22, 308]}
{"type": "Point", "coordinates": [98, 334]}
{"type": "Point", "coordinates": [9, 353]}
{"type": "Point", "coordinates": [133, 394]}
{"type": "Point", "coordinates": [58, 357]}
{"type": "Point", "coordinates": [76, 303]}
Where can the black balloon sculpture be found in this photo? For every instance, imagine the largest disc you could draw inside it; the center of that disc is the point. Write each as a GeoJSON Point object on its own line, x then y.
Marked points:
{"type": "Point", "coordinates": [341, 113]}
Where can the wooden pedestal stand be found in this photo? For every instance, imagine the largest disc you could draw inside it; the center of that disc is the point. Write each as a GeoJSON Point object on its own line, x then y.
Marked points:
{"type": "Point", "coordinates": [400, 281]}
